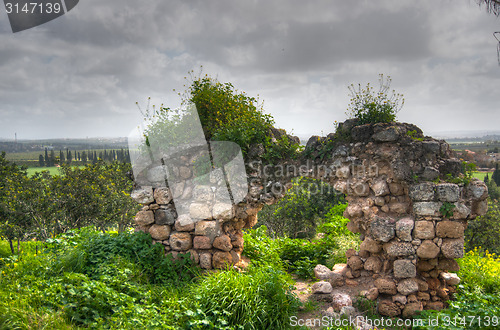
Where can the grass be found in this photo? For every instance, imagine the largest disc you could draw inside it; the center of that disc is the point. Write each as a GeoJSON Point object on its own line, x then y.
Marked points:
{"type": "Point", "coordinates": [481, 175]}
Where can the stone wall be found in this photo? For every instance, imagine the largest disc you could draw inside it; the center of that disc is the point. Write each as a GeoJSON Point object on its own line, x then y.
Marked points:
{"type": "Point", "coordinates": [410, 219]}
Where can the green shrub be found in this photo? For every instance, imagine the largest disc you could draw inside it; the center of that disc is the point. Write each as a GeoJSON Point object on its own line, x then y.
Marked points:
{"type": "Point", "coordinates": [478, 296]}
{"type": "Point", "coordinates": [483, 232]}
{"type": "Point", "coordinates": [369, 106]}
{"type": "Point", "coordinates": [261, 298]}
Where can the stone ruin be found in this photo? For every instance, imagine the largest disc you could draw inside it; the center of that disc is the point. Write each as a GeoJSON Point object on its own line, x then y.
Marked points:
{"type": "Point", "coordinates": [410, 219]}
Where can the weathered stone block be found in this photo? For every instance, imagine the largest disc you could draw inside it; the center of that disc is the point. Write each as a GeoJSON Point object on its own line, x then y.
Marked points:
{"type": "Point", "coordinates": [427, 208]}
{"type": "Point", "coordinates": [423, 192]}
{"type": "Point", "coordinates": [388, 308]}
{"type": "Point", "coordinates": [370, 245]}
{"type": "Point", "coordinates": [383, 229]}
{"type": "Point", "coordinates": [399, 249]}
{"type": "Point", "coordinates": [144, 218]}
{"type": "Point", "coordinates": [165, 216]}
{"type": "Point", "coordinates": [184, 223]}
{"type": "Point", "coordinates": [221, 259]}
{"type": "Point", "coordinates": [143, 195]}
{"type": "Point", "coordinates": [447, 192]}
{"type": "Point", "coordinates": [373, 264]}
{"type": "Point", "coordinates": [207, 228]}
{"type": "Point", "coordinates": [450, 278]}
{"type": "Point", "coordinates": [386, 286]}
{"type": "Point", "coordinates": [404, 268]}
{"type": "Point", "coordinates": [162, 195]}
{"type": "Point", "coordinates": [223, 243]}
{"type": "Point", "coordinates": [380, 188]}
{"type": "Point", "coordinates": [223, 211]}
{"type": "Point", "coordinates": [424, 230]}
{"type": "Point", "coordinates": [428, 250]}
{"type": "Point", "coordinates": [355, 263]}
{"type": "Point", "coordinates": [200, 211]}
{"type": "Point", "coordinates": [407, 286]}
{"type": "Point", "coordinates": [449, 229]}
{"type": "Point", "coordinates": [404, 228]}
{"type": "Point", "coordinates": [390, 134]}
{"type": "Point", "coordinates": [321, 287]}
{"type": "Point", "coordinates": [206, 260]}
{"type": "Point", "coordinates": [453, 248]}
{"type": "Point", "coordinates": [202, 243]}
{"type": "Point", "coordinates": [322, 272]}
{"type": "Point", "coordinates": [340, 300]}
{"type": "Point", "coordinates": [180, 241]}
{"type": "Point", "coordinates": [159, 232]}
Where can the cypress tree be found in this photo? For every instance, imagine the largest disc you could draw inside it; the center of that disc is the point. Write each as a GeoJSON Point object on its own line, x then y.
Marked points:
{"type": "Point", "coordinates": [486, 178]}
{"type": "Point", "coordinates": [70, 156]}
{"type": "Point", "coordinates": [41, 161]}
{"type": "Point", "coordinates": [496, 175]}
{"type": "Point", "coordinates": [47, 162]}
{"type": "Point", "coordinates": [61, 157]}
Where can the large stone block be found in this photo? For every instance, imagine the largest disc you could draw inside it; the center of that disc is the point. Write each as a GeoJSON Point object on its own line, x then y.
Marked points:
{"type": "Point", "coordinates": [404, 268]}
{"type": "Point", "coordinates": [427, 208]}
{"type": "Point", "coordinates": [386, 286]}
{"type": "Point", "coordinates": [399, 249]}
{"type": "Point", "coordinates": [428, 250]}
{"type": "Point", "coordinates": [407, 286]}
{"type": "Point", "coordinates": [383, 229]}
{"type": "Point", "coordinates": [453, 248]}
{"type": "Point", "coordinates": [380, 188]}
{"type": "Point", "coordinates": [159, 232]}
{"type": "Point", "coordinates": [370, 245]}
{"type": "Point", "coordinates": [200, 211]}
{"type": "Point", "coordinates": [165, 216]}
{"type": "Point", "coordinates": [144, 218]}
{"type": "Point", "coordinates": [423, 192]}
{"type": "Point", "coordinates": [221, 259]}
{"type": "Point", "coordinates": [184, 223]}
{"type": "Point", "coordinates": [223, 243]}
{"type": "Point", "coordinates": [449, 229]}
{"type": "Point", "coordinates": [424, 230]}
{"type": "Point", "coordinates": [180, 241]}
{"type": "Point", "coordinates": [404, 228]}
{"type": "Point", "coordinates": [448, 192]}
{"type": "Point", "coordinates": [143, 195]}
{"type": "Point", "coordinates": [162, 195]}
{"type": "Point", "coordinates": [207, 228]}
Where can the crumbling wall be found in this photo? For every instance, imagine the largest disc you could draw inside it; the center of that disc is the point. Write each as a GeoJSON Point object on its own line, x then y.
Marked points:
{"type": "Point", "coordinates": [411, 220]}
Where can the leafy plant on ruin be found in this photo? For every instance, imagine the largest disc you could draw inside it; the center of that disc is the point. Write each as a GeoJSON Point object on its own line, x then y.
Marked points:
{"type": "Point", "coordinates": [371, 106]}
{"type": "Point", "coordinates": [447, 209]}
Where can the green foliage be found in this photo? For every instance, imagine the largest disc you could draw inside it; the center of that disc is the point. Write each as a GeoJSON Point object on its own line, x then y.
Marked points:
{"type": "Point", "coordinates": [447, 209]}
{"type": "Point", "coordinates": [228, 115]}
{"type": "Point", "coordinates": [94, 279]}
{"type": "Point", "coordinates": [45, 205]}
{"type": "Point", "coordinates": [413, 135]}
{"type": "Point", "coordinates": [477, 300]}
{"type": "Point", "coordinates": [258, 299]}
{"type": "Point", "coordinates": [301, 210]}
{"type": "Point", "coordinates": [300, 256]}
{"type": "Point", "coordinates": [369, 106]}
{"type": "Point", "coordinates": [282, 148]}
{"type": "Point", "coordinates": [107, 281]}
{"type": "Point", "coordinates": [484, 231]}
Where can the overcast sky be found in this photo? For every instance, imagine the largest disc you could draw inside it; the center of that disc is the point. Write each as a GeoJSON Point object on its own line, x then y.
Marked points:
{"type": "Point", "coordinates": [81, 74]}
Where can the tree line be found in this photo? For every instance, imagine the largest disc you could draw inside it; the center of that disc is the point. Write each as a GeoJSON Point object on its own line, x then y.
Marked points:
{"type": "Point", "coordinates": [43, 205]}
{"type": "Point", "coordinates": [82, 157]}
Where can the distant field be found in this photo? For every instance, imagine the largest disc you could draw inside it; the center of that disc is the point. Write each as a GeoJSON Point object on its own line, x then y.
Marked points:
{"type": "Point", "coordinates": [34, 155]}
{"type": "Point", "coordinates": [52, 170]}
{"type": "Point", "coordinates": [481, 175]}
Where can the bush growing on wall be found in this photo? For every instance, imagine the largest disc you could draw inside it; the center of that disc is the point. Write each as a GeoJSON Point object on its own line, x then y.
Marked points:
{"type": "Point", "coordinates": [370, 106]}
